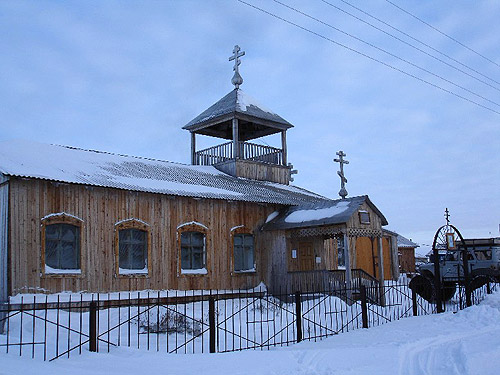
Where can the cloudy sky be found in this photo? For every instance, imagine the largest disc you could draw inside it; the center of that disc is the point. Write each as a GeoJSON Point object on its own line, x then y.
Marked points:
{"type": "Point", "coordinates": [125, 76]}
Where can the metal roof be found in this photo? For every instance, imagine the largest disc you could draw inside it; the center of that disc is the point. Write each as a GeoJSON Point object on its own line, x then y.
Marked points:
{"type": "Point", "coordinates": [313, 214]}
{"type": "Point", "coordinates": [87, 167]}
{"type": "Point", "coordinates": [237, 103]}
{"type": "Point", "coordinates": [402, 241]}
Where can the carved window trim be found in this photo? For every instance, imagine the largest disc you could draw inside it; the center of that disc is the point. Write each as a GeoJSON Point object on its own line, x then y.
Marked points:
{"type": "Point", "coordinates": [132, 224]}
{"type": "Point", "coordinates": [193, 227]}
{"type": "Point", "coordinates": [62, 218]}
{"type": "Point", "coordinates": [242, 230]}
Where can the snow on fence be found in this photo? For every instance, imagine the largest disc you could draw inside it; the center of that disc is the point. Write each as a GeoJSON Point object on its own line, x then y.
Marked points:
{"type": "Point", "coordinates": [201, 321]}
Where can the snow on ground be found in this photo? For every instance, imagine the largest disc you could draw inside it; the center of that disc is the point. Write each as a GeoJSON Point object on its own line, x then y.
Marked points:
{"type": "Point", "coordinates": [467, 342]}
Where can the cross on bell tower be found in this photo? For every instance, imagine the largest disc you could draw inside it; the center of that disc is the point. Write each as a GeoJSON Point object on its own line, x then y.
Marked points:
{"type": "Point", "coordinates": [343, 180]}
{"type": "Point", "coordinates": [237, 80]}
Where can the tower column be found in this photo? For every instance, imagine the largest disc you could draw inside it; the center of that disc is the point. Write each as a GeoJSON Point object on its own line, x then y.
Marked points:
{"type": "Point", "coordinates": [236, 148]}
{"type": "Point", "coordinates": [283, 147]}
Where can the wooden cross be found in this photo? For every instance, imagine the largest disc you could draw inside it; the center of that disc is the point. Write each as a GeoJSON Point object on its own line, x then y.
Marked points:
{"type": "Point", "coordinates": [237, 80]}
{"type": "Point", "coordinates": [343, 180]}
{"type": "Point", "coordinates": [447, 216]}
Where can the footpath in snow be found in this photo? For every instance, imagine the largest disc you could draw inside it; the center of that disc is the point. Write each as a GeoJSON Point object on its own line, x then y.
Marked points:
{"type": "Point", "coordinates": [467, 342]}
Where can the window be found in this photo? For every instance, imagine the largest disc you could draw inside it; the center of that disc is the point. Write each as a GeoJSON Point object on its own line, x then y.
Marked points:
{"type": "Point", "coordinates": [193, 256]}
{"type": "Point", "coordinates": [340, 253]}
{"type": "Point", "coordinates": [364, 217]}
{"type": "Point", "coordinates": [132, 249]}
{"type": "Point", "coordinates": [243, 250]}
{"type": "Point", "coordinates": [62, 248]}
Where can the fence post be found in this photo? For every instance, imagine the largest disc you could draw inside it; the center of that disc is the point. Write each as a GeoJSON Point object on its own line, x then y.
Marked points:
{"type": "Point", "coordinates": [298, 313]}
{"type": "Point", "coordinates": [211, 322]}
{"type": "Point", "coordinates": [488, 287]}
{"type": "Point", "coordinates": [364, 307]}
{"type": "Point", "coordinates": [414, 302]}
{"type": "Point", "coordinates": [93, 327]}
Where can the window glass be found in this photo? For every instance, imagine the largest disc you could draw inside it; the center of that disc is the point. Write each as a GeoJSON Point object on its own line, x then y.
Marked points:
{"type": "Point", "coordinates": [243, 252]}
{"type": "Point", "coordinates": [62, 246]}
{"type": "Point", "coordinates": [340, 252]}
{"type": "Point", "coordinates": [133, 249]}
{"type": "Point", "coordinates": [192, 250]}
{"type": "Point", "coordinates": [364, 217]}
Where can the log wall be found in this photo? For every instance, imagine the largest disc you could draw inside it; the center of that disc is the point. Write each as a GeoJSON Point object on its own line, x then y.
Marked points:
{"type": "Point", "coordinates": [100, 209]}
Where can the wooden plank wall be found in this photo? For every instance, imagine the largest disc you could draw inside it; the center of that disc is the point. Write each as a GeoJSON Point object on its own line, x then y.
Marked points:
{"type": "Point", "coordinates": [100, 209]}
{"type": "Point", "coordinates": [256, 170]}
{"type": "Point", "coordinates": [4, 220]}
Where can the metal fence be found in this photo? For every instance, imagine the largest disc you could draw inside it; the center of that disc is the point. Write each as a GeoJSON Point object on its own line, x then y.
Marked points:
{"type": "Point", "coordinates": [203, 321]}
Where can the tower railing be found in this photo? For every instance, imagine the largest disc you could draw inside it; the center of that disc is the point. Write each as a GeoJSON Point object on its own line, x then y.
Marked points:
{"type": "Point", "coordinates": [246, 151]}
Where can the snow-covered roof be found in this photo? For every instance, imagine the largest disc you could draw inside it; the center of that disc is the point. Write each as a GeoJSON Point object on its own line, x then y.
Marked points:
{"type": "Point", "coordinates": [402, 241]}
{"type": "Point", "coordinates": [329, 212]}
{"type": "Point", "coordinates": [74, 165]}
{"type": "Point", "coordinates": [237, 102]}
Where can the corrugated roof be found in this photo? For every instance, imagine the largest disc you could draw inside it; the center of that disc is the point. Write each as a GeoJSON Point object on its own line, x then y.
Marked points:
{"type": "Point", "coordinates": [74, 165]}
{"type": "Point", "coordinates": [329, 212]}
{"type": "Point", "coordinates": [237, 102]}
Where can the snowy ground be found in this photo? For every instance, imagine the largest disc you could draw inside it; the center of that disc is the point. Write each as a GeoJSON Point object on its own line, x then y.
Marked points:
{"type": "Point", "coordinates": [467, 342]}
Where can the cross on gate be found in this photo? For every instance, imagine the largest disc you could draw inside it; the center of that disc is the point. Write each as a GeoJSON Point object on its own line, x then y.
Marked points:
{"type": "Point", "coordinates": [447, 216]}
{"type": "Point", "coordinates": [343, 180]}
{"type": "Point", "coordinates": [237, 80]}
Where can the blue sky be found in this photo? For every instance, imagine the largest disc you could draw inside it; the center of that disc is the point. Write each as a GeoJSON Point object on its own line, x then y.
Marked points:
{"type": "Point", "coordinates": [125, 76]}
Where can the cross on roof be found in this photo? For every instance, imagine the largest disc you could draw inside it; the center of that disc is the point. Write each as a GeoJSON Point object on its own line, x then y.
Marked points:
{"type": "Point", "coordinates": [447, 216]}
{"type": "Point", "coordinates": [343, 180]}
{"type": "Point", "coordinates": [237, 80]}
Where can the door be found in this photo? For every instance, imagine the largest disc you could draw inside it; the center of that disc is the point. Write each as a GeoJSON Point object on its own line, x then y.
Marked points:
{"type": "Point", "coordinates": [306, 256]}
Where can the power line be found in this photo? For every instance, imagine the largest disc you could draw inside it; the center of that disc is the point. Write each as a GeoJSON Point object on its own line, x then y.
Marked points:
{"type": "Point", "coordinates": [369, 57]}
{"type": "Point", "coordinates": [387, 52]}
{"type": "Point", "coordinates": [442, 33]}
{"type": "Point", "coordinates": [413, 46]}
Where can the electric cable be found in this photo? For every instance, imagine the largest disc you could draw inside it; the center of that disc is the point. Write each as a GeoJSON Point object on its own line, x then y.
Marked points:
{"type": "Point", "coordinates": [369, 57]}
{"type": "Point", "coordinates": [443, 33]}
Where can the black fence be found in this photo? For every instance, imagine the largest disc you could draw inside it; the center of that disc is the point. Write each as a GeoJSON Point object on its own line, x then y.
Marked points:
{"type": "Point", "coordinates": [203, 321]}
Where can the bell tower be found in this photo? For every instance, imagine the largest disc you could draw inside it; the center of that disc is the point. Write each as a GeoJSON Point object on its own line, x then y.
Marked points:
{"type": "Point", "coordinates": [238, 118]}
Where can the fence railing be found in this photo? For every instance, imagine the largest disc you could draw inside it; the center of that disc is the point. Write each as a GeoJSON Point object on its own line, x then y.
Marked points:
{"type": "Point", "coordinates": [246, 150]}
{"type": "Point", "coordinates": [203, 321]}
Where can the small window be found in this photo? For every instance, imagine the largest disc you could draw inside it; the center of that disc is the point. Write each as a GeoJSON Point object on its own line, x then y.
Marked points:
{"type": "Point", "coordinates": [243, 249]}
{"type": "Point", "coordinates": [193, 255]}
{"type": "Point", "coordinates": [62, 248]}
{"type": "Point", "coordinates": [340, 252]}
{"type": "Point", "coordinates": [364, 217]}
{"type": "Point", "coordinates": [133, 251]}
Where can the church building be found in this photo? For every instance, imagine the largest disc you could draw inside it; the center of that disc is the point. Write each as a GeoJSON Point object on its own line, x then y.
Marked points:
{"type": "Point", "coordinates": [83, 220]}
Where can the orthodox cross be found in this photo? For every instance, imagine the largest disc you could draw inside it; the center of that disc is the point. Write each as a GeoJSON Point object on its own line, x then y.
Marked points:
{"type": "Point", "coordinates": [343, 180]}
{"type": "Point", "coordinates": [447, 216]}
{"type": "Point", "coordinates": [236, 80]}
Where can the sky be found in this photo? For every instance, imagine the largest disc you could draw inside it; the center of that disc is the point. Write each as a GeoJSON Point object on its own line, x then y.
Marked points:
{"type": "Point", "coordinates": [125, 76]}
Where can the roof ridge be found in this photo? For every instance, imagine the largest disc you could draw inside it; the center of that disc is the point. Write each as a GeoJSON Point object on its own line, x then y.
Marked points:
{"type": "Point", "coordinates": [121, 155]}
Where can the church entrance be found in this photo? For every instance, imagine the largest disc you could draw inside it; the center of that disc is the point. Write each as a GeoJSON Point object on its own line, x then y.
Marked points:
{"type": "Point", "coordinates": [306, 256]}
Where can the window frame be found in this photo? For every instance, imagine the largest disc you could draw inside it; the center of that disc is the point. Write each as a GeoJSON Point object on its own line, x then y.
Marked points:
{"type": "Point", "coordinates": [242, 230]}
{"type": "Point", "coordinates": [132, 223]}
{"type": "Point", "coordinates": [62, 218]}
{"type": "Point", "coordinates": [361, 221]}
{"type": "Point", "coordinates": [193, 227]}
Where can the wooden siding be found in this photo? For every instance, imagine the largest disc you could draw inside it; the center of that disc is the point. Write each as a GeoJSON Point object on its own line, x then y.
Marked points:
{"type": "Point", "coordinates": [256, 170]}
{"type": "Point", "coordinates": [4, 220]}
{"type": "Point", "coordinates": [407, 259]}
{"type": "Point", "coordinates": [100, 209]}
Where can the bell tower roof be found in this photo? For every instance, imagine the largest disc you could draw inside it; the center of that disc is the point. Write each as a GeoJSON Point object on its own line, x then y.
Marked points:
{"type": "Point", "coordinates": [255, 120]}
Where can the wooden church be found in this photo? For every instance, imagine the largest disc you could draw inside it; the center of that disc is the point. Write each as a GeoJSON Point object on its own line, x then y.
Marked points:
{"type": "Point", "coordinates": [83, 220]}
